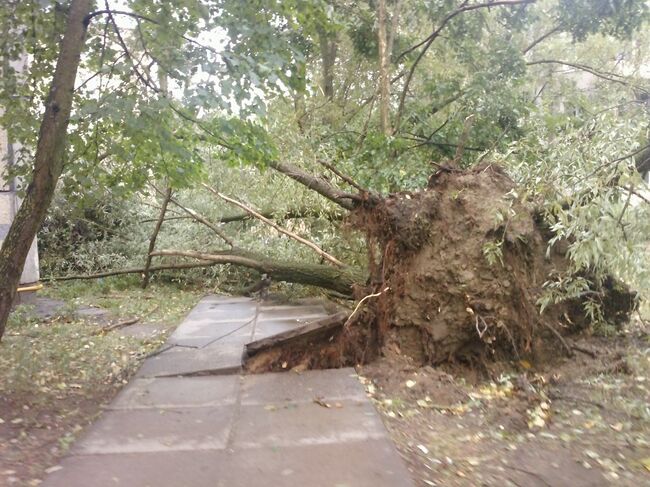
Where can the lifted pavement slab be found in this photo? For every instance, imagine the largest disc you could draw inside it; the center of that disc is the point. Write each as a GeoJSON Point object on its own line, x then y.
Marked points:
{"type": "Point", "coordinates": [189, 418]}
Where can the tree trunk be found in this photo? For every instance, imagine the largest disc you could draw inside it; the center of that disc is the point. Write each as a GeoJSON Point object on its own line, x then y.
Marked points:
{"type": "Point", "coordinates": [339, 280]}
{"type": "Point", "coordinates": [328, 48]}
{"type": "Point", "coordinates": [48, 161]}
{"type": "Point", "coordinates": [384, 75]}
{"type": "Point", "coordinates": [154, 235]}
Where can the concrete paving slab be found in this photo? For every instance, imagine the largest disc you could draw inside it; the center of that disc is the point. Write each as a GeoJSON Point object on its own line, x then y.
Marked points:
{"type": "Point", "coordinates": [331, 386]}
{"type": "Point", "coordinates": [155, 430]}
{"type": "Point", "coordinates": [218, 358]}
{"type": "Point", "coordinates": [211, 333]}
{"type": "Point", "coordinates": [284, 312]}
{"type": "Point", "coordinates": [364, 464]}
{"type": "Point", "coordinates": [265, 329]}
{"type": "Point", "coordinates": [224, 312]}
{"type": "Point", "coordinates": [219, 430]}
{"type": "Point", "coordinates": [177, 392]}
{"type": "Point", "coordinates": [296, 424]}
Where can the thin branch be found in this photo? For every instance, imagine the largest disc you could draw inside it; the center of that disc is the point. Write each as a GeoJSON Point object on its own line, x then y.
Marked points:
{"type": "Point", "coordinates": [631, 190]}
{"type": "Point", "coordinates": [292, 235]}
{"type": "Point", "coordinates": [614, 78]}
{"type": "Point", "coordinates": [145, 80]}
{"type": "Point", "coordinates": [199, 218]}
{"type": "Point", "coordinates": [169, 218]}
{"type": "Point", "coordinates": [614, 161]}
{"type": "Point", "coordinates": [542, 38]}
{"type": "Point", "coordinates": [136, 270]}
{"type": "Point", "coordinates": [429, 40]}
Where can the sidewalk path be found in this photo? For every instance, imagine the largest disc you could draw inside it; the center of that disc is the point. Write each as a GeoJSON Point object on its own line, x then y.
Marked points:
{"type": "Point", "coordinates": [189, 419]}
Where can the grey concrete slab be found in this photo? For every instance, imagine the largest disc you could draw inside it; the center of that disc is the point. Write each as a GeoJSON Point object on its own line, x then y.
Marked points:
{"type": "Point", "coordinates": [265, 329]}
{"type": "Point", "coordinates": [155, 430]}
{"type": "Point", "coordinates": [301, 424]}
{"type": "Point", "coordinates": [218, 358]}
{"type": "Point", "coordinates": [284, 312]}
{"type": "Point", "coordinates": [177, 392]}
{"type": "Point", "coordinates": [363, 464]}
{"type": "Point", "coordinates": [330, 385]}
{"type": "Point", "coordinates": [203, 334]}
{"type": "Point", "coordinates": [215, 430]}
{"type": "Point", "coordinates": [224, 312]}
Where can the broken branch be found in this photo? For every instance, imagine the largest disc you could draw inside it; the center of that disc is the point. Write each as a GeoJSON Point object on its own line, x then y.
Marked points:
{"type": "Point", "coordinates": [260, 217]}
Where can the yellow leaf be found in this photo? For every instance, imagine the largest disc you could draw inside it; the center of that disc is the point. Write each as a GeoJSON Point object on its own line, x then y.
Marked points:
{"type": "Point", "coordinates": [646, 463]}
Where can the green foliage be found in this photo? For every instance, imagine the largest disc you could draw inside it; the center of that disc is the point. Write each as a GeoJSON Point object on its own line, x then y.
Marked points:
{"type": "Point", "coordinates": [618, 18]}
{"type": "Point", "coordinates": [49, 360]}
{"type": "Point", "coordinates": [586, 191]}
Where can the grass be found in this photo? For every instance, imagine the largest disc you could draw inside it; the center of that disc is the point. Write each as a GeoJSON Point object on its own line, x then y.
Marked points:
{"type": "Point", "coordinates": [48, 360]}
{"type": "Point", "coordinates": [55, 374]}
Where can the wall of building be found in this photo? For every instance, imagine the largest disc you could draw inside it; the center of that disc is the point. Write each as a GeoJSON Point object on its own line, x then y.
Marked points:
{"type": "Point", "coordinates": [9, 204]}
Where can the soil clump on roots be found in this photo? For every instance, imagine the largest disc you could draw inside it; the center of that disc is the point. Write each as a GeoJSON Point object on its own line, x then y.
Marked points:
{"type": "Point", "coordinates": [458, 269]}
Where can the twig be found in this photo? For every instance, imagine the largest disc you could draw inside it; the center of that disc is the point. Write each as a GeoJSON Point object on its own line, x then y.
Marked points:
{"type": "Point", "coordinates": [292, 235]}
{"type": "Point", "coordinates": [613, 77]}
{"type": "Point", "coordinates": [117, 326]}
{"type": "Point", "coordinates": [542, 38]}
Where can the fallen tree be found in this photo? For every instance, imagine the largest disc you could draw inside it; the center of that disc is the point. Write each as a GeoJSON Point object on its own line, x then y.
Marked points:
{"type": "Point", "coordinates": [457, 271]}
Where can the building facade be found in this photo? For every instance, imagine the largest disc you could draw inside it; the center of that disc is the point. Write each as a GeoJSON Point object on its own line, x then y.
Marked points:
{"type": "Point", "coordinates": [9, 204]}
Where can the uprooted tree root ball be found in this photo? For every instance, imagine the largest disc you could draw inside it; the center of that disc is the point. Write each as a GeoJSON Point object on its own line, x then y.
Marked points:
{"type": "Point", "coordinates": [458, 268]}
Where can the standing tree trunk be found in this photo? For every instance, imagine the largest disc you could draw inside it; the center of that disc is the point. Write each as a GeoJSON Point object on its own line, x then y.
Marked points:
{"type": "Point", "coordinates": [48, 161]}
{"type": "Point", "coordinates": [328, 47]}
{"type": "Point", "coordinates": [384, 75]}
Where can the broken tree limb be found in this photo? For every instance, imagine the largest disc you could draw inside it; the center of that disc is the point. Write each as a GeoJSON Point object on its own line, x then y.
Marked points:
{"type": "Point", "coordinates": [336, 279]}
{"type": "Point", "coordinates": [318, 184]}
{"type": "Point", "coordinates": [136, 270]}
{"type": "Point", "coordinates": [296, 213]}
{"type": "Point", "coordinates": [284, 231]}
{"type": "Point", "coordinates": [154, 236]}
{"type": "Point", "coordinates": [201, 219]}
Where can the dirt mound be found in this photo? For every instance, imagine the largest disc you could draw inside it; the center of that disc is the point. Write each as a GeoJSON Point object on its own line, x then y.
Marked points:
{"type": "Point", "coordinates": [465, 261]}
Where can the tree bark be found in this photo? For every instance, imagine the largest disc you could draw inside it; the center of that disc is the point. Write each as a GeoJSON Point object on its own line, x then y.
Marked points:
{"type": "Point", "coordinates": [384, 75]}
{"type": "Point", "coordinates": [328, 48]}
{"type": "Point", "coordinates": [154, 235]}
{"type": "Point", "coordinates": [48, 161]}
{"type": "Point", "coordinates": [323, 276]}
{"type": "Point", "coordinates": [318, 184]}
